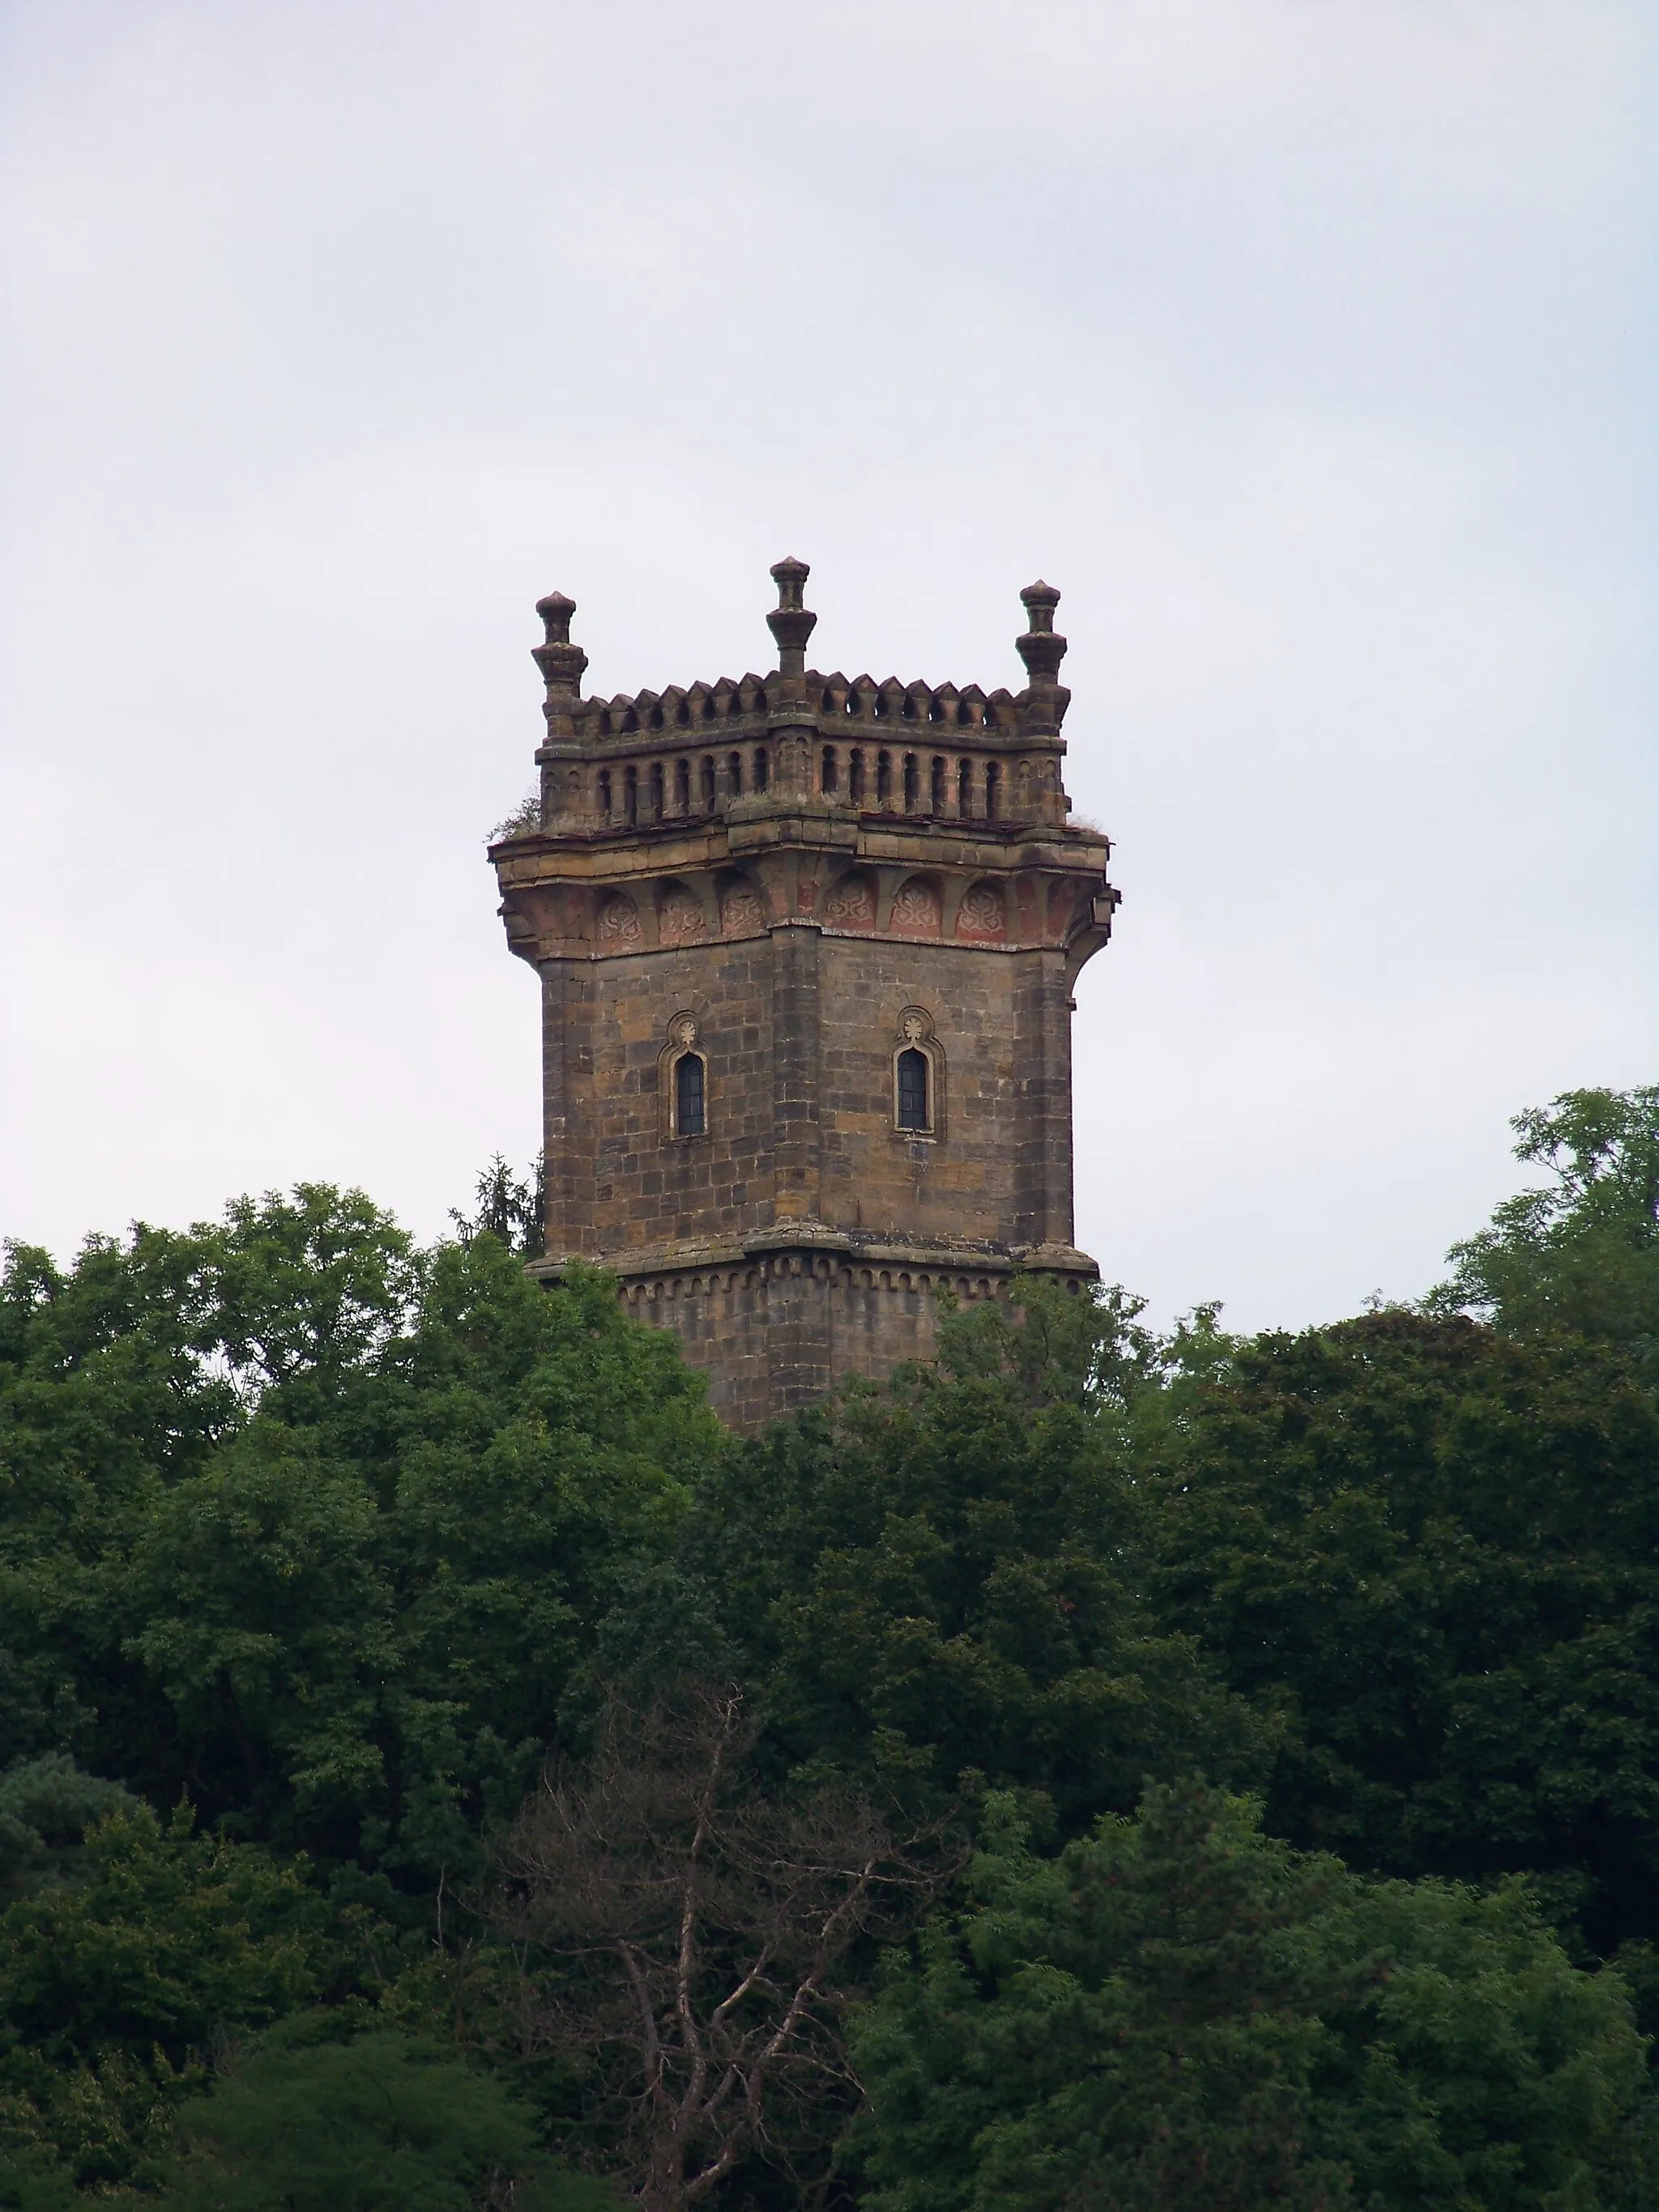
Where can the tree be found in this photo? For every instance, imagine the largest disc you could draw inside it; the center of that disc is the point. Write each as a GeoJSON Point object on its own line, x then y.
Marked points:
{"type": "Point", "coordinates": [702, 1931]}
{"type": "Point", "coordinates": [1579, 1253]}
{"type": "Point", "coordinates": [941, 1582]}
{"type": "Point", "coordinates": [115, 1986]}
{"type": "Point", "coordinates": [316, 1527]}
{"type": "Point", "coordinates": [46, 1806]}
{"type": "Point", "coordinates": [384, 2122]}
{"type": "Point", "coordinates": [1180, 2014]}
{"type": "Point", "coordinates": [511, 1208]}
{"type": "Point", "coordinates": [1433, 1551]}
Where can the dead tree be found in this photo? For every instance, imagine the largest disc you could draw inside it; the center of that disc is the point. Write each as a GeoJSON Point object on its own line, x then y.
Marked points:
{"type": "Point", "coordinates": [693, 1933]}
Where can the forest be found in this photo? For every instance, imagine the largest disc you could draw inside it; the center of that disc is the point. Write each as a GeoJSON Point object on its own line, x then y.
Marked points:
{"type": "Point", "coordinates": [1107, 1771]}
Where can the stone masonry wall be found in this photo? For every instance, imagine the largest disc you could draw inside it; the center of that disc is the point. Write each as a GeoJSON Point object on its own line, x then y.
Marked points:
{"type": "Point", "coordinates": [799, 878]}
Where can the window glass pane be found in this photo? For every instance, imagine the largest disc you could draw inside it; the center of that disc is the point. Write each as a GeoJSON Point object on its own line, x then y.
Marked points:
{"type": "Point", "coordinates": [688, 1096]}
{"type": "Point", "coordinates": [913, 1090]}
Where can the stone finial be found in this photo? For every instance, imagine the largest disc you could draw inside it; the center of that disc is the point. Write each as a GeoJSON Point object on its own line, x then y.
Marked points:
{"type": "Point", "coordinates": [561, 663]}
{"type": "Point", "coordinates": [791, 624]}
{"type": "Point", "coordinates": [1043, 702]}
{"type": "Point", "coordinates": [1041, 648]}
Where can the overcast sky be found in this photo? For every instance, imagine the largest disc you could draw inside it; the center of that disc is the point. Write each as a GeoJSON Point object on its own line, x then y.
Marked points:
{"type": "Point", "coordinates": [1307, 345]}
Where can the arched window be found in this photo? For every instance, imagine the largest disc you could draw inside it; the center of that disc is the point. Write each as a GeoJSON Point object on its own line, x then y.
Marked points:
{"type": "Point", "coordinates": [965, 790]}
{"type": "Point", "coordinates": [604, 792]}
{"type": "Point", "coordinates": [734, 776]}
{"type": "Point", "coordinates": [884, 780]}
{"type": "Point", "coordinates": [913, 1101]}
{"type": "Point", "coordinates": [631, 795]}
{"type": "Point", "coordinates": [658, 808]}
{"type": "Point", "coordinates": [683, 786]}
{"type": "Point", "coordinates": [855, 775]}
{"type": "Point", "coordinates": [760, 767]}
{"type": "Point", "coordinates": [827, 777]}
{"type": "Point", "coordinates": [912, 783]}
{"type": "Point", "coordinates": [708, 780]}
{"type": "Point", "coordinates": [993, 790]}
{"type": "Point", "coordinates": [690, 1087]}
{"type": "Point", "coordinates": [936, 788]}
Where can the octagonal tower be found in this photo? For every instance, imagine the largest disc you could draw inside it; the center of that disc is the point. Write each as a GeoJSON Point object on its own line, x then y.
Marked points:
{"type": "Point", "coordinates": [807, 947]}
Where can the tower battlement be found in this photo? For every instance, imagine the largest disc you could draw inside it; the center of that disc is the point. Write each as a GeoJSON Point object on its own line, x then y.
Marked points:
{"type": "Point", "coordinates": [807, 945]}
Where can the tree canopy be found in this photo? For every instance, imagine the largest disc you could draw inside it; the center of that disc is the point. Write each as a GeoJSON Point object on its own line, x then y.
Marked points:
{"type": "Point", "coordinates": [1291, 1703]}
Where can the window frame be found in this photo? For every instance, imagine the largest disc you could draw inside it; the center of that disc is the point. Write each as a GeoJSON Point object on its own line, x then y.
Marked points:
{"type": "Point", "coordinates": [677, 1103]}
{"type": "Point", "coordinates": [684, 1041]}
{"type": "Point", "coordinates": [912, 1074]}
{"type": "Point", "coordinates": [914, 1032]}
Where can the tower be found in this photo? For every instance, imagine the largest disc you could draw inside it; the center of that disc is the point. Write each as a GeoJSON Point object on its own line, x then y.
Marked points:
{"type": "Point", "coordinates": [807, 949]}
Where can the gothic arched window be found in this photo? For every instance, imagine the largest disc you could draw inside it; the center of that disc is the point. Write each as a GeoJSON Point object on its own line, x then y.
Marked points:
{"type": "Point", "coordinates": [690, 1113]}
{"type": "Point", "coordinates": [913, 1101]}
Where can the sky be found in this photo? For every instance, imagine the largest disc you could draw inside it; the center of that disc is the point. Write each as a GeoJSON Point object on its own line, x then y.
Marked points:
{"type": "Point", "coordinates": [1307, 345]}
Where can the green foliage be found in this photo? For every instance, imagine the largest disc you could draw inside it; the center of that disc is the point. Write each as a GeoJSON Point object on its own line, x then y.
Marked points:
{"type": "Point", "coordinates": [1180, 2011]}
{"type": "Point", "coordinates": [47, 1805]}
{"type": "Point", "coordinates": [511, 1208]}
{"type": "Point", "coordinates": [114, 1987]}
{"type": "Point", "coordinates": [339, 1539]}
{"type": "Point", "coordinates": [1578, 1255]}
{"type": "Point", "coordinates": [1434, 1551]}
{"type": "Point", "coordinates": [384, 2124]}
{"type": "Point", "coordinates": [940, 1584]}
{"type": "Point", "coordinates": [315, 1527]}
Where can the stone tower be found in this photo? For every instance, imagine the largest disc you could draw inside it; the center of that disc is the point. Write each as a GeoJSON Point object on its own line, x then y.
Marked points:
{"type": "Point", "coordinates": [807, 948]}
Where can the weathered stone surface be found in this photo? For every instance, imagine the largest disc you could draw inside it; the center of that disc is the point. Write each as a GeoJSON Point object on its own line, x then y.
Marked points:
{"type": "Point", "coordinates": [799, 878]}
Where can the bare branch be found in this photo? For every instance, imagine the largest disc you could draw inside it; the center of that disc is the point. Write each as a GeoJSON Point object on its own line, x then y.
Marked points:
{"type": "Point", "coordinates": [688, 1931]}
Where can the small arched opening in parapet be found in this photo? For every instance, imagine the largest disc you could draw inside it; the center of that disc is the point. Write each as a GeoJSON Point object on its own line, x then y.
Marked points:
{"type": "Point", "coordinates": [993, 790]}
{"type": "Point", "coordinates": [659, 801]}
{"type": "Point", "coordinates": [908, 711]}
{"type": "Point", "coordinates": [828, 775]}
{"type": "Point", "coordinates": [707, 778]}
{"type": "Point", "coordinates": [763, 768]}
{"type": "Point", "coordinates": [734, 776]}
{"type": "Point", "coordinates": [682, 715]}
{"type": "Point", "coordinates": [884, 780]}
{"type": "Point", "coordinates": [855, 776]}
{"type": "Point", "coordinates": [936, 786]}
{"type": "Point", "coordinates": [630, 722]}
{"type": "Point", "coordinates": [912, 784]}
{"type": "Point", "coordinates": [965, 789]}
{"type": "Point", "coordinates": [681, 787]}
{"type": "Point", "coordinates": [655, 718]}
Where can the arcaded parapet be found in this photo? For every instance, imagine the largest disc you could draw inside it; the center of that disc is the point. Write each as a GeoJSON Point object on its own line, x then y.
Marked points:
{"type": "Point", "coordinates": [807, 948]}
